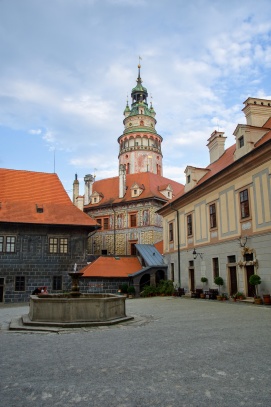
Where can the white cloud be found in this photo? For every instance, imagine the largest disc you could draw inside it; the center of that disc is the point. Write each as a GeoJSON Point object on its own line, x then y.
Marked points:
{"type": "Point", "coordinates": [35, 131]}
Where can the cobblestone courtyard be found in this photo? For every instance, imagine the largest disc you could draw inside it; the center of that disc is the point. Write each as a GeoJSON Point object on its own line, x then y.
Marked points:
{"type": "Point", "coordinates": [176, 352]}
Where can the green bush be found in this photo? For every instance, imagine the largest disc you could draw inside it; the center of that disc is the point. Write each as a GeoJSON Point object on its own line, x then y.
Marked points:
{"type": "Point", "coordinates": [255, 280]}
{"type": "Point", "coordinates": [131, 290]}
{"type": "Point", "coordinates": [219, 281]}
{"type": "Point", "coordinates": [148, 291]}
{"type": "Point", "coordinates": [165, 287]}
{"type": "Point", "coordinates": [124, 288]}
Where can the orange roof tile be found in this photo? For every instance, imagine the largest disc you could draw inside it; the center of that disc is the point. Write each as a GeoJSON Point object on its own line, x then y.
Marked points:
{"type": "Point", "coordinates": [160, 246]}
{"type": "Point", "coordinates": [112, 267]}
{"type": "Point", "coordinates": [150, 181]}
{"type": "Point", "coordinates": [224, 161]}
{"type": "Point", "coordinates": [21, 192]}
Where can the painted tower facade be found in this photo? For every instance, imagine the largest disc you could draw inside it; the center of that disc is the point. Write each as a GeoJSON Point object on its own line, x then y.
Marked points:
{"type": "Point", "coordinates": [140, 145]}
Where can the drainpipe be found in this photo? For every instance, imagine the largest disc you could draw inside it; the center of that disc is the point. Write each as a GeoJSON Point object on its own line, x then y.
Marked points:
{"type": "Point", "coordinates": [114, 225]}
{"type": "Point", "coordinates": [178, 243]}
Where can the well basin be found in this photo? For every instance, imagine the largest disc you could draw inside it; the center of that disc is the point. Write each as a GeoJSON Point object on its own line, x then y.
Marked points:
{"type": "Point", "coordinates": [58, 309]}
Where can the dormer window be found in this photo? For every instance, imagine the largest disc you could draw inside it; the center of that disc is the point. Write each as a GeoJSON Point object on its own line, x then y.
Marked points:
{"type": "Point", "coordinates": [241, 142]}
{"type": "Point", "coordinates": [96, 197]}
{"type": "Point", "coordinates": [166, 190]}
{"type": "Point", "coordinates": [136, 190]}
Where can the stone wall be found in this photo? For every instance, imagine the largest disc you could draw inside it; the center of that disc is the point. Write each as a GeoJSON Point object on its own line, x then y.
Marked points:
{"type": "Point", "coordinates": [33, 261]}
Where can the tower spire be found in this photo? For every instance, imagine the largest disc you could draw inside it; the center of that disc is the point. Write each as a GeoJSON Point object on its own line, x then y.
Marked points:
{"type": "Point", "coordinates": [140, 145]}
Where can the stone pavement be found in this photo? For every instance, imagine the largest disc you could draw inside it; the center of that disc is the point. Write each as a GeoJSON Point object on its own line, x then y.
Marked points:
{"type": "Point", "coordinates": [176, 352]}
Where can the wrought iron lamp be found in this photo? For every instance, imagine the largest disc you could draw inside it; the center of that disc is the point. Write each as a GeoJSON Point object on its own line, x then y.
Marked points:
{"type": "Point", "coordinates": [195, 254]}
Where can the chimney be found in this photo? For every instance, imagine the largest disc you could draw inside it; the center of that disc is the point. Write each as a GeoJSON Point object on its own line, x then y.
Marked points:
{"type": "Point", "coordinates": [122, 180]}
{"type": "Point", "coordinates": [257, 111]}
{"type": "Point", "coordinates": [75, 190]}
{"type": "Point", "coordinates": [89, 180]}
{"type": "Point", "coordinates": [216, 145]}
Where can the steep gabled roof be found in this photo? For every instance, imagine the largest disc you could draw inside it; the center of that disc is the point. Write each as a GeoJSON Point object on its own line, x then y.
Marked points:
{"type": "Point", "coordinates": [107, 266]}
{"type": "Point", "coordinates": [151, 182]}
{"type": "Point", "coordinates": [39, 198]}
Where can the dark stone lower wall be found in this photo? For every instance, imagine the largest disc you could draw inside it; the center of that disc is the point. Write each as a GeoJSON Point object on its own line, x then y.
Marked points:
{"type": "Point", "coordinates": [102, 285]}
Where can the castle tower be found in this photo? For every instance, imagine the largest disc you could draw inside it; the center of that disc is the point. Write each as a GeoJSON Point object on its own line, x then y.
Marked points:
{"type": "Point", "coordinates": [140, 145]}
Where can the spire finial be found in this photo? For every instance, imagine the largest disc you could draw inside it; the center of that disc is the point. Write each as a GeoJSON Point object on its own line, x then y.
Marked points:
{"type": "Point", "coordinates": [139, 66]}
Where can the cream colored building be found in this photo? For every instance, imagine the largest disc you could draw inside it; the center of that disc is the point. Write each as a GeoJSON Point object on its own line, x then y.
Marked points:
{"type": "Point", "coordinates": [224, 214]}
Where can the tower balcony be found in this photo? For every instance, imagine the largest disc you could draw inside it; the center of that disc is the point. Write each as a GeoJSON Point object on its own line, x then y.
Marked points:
{"type": "Point", "coordinates": [134, 148]}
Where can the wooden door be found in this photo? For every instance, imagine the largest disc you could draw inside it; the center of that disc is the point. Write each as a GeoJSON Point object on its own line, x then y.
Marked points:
{"type": "Point", "coordinates": [192, 279]}
{"type": "Point", "coordinates": [233, 280]}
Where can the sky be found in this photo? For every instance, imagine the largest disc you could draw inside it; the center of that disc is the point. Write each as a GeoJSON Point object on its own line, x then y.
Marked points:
{"type": "Point", "coordinates": [67, 66]}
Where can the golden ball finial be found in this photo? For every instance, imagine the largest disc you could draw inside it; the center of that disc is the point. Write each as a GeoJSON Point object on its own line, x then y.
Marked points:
{"type": "Point", "coordinates": [139, 66]}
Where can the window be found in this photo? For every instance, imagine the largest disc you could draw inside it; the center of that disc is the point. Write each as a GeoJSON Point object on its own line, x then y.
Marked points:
{"type": "Point", "coordinates": [231, 259]}
{"type": "Point", "coordinates": [212, 209]}
{"type": "Point", "coordinates": [1, 244]}
{"type": "Point", "coordinates": [215, 267]}
{"type": "Point", "coordinates": [133, 249]}
{"type": "Point", "coordinates": [189, 225]}
{"type": "Point", "coordinates": [58, 245]}
{"type": "Point", "coordinates": [63, 245]}
{"type": "Point", "coordinates": [241, 141]}
{"type": "Point", "coordinates": [20, 283]}
{"type": "Point", "coordinates": [135, 191]}
{"type": "Point", "coordinates": [244, 204]}
{"type": "Point", "coordinates": [57, 283]}
{"type": "Point", "coordinates": [7, 244]}
{"type": "Point", "coordinates": [188, 179]}
{"type": "Point", "coordinates": [106, 223]}
{"type": "Point", "coordinates": [248, 256]}
{"type": "Point", "coordinates": [10, 244]}
{"type": "Point", "coordinates": [53, 244]}
{"type": "Point", "coordinates": [133, 222]}
{"type": "Point", "coordinates": [170, 232]}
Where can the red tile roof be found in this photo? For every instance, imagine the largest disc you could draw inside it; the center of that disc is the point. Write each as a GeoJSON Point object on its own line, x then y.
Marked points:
{"type": "Point", "coordinates": [112, 267]}
{"type": "Point", "coordinates": [159, 246]}
{"type": "Point", "coordinates": [223, 162]}
{"type": "Point", "coordinates": [21, 192]}
{"type": "Point", "coordinates": [151, 182]}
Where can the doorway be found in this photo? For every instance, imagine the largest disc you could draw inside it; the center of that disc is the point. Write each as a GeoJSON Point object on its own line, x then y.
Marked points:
{"type": "Point", "coordinates": [192, 279]}
{"type": "Point", "coordinates": [145, 280]}
{"type": "Point", "coordinates": [159, 275]}
{"type": "Point", "coordinates": [250, 287]}
{"type": "Point", "coordinates": [233, 280]}
{"type": "Point", "coordinates": [2, 280]}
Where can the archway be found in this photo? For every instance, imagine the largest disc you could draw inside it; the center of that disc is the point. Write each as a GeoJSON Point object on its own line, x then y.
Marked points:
{"type": "Point", "coordinates": [145, 280]}
{"type": "Point", "coordinates": [159, 275]}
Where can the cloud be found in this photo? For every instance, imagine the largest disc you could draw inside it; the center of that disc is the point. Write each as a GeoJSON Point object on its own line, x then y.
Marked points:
{"type": "Point", "coordinates": [35, 131]}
